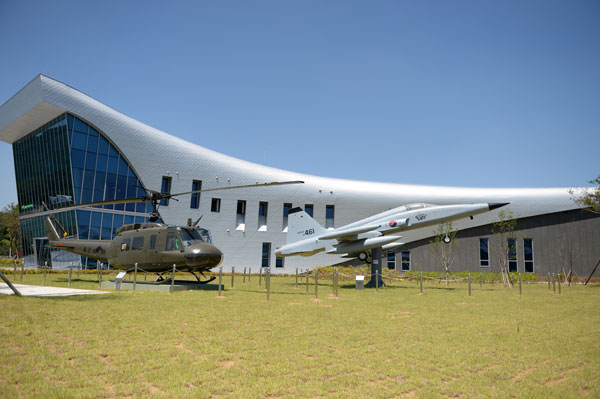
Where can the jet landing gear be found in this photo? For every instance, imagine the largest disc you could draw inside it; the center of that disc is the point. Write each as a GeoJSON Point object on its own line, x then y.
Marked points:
{"type": "Point", "coordinates": [365, 257]}
{"type": "Point", "coordinates": [376, 280]}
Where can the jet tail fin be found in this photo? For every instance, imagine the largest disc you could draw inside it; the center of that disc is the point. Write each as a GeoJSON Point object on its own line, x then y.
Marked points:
{"type": "Point", "coordinates": [54, 230]}
{"type": "Point", "coordinates": [302, 226]}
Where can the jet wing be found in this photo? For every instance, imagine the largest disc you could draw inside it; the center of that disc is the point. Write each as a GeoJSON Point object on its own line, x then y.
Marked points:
{"type": "Point", "coordinates": [348, 234]}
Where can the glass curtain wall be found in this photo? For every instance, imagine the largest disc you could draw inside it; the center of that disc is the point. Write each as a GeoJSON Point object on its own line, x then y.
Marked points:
{"type": "Point", "coordinates": [67, 162]}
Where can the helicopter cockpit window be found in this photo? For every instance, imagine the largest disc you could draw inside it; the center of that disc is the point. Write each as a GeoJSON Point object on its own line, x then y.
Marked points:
{"type": "Point", "coordinates": [173, 242]}
{"type": "Point", "coordinates": [205, 235]}
{"type": "Point", "coordinates": [137, 243]}
{"type": "Point", "coordinates": [190, 237]}
{"type": "Point", "coordinates": [125, 244]}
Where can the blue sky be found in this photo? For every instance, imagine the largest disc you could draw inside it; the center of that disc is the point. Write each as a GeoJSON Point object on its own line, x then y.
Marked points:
{"type": "Point", "coordinates": [459, 93]}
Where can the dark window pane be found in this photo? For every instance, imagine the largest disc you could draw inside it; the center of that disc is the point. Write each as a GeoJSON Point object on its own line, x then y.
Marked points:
{"type": "Point", "coordinates": [77, 177]}
{"type": "Point", "coordinates": [81, 126]}
{"type": "Point", "coordinates": [78, 158]}
{"type": "Point", "coordinates": [92, 144]}
{"type": "Point", "coordinates": [102, 146]}
{"type": "Point", "coordinates": [79, 141]}
{"type": "Point", "coordinates": [152, 242]}
{"type": "Point", "coordinates": [90, 161]}
{"type": "Point", "coordinates": [83, 223]}
{"type": "Point", "coordinates": [113, 164]}
{"type": "Point", "coordinates": [137, 243]}
{"type": "Point", "coordinates": [101, 165]}
{"type": "Point", "coordinates": [107, 219]}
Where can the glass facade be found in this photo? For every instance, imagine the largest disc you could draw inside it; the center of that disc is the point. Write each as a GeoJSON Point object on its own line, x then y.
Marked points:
{"type": "Point", "coordinates": [69, 162]}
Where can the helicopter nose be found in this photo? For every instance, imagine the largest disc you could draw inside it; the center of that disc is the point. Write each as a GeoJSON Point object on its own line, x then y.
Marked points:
{"type": "Point", "coordinates": [203, 255]}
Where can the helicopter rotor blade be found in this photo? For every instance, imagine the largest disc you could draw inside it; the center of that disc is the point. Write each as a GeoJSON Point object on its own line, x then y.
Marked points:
{"type": "Point", "coordinates": [197, 221]}
{"type": "Point", "coordinates": [276, 183]}
{"type": "Point", "coordinates": [109, 202]}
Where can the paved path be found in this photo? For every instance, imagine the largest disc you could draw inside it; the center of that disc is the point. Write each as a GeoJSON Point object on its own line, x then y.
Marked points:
{"type": "Point", "coordinates": [36, 290]}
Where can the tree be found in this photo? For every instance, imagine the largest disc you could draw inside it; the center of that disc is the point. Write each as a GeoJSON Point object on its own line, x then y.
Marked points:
{"type": "Point", "coordinates": [588, 199]}
{"type": "Point", "coordinates": [507, 247]}
{"type": "Point", "coordinates": [10, 230]}
{"type": "Point", "coordinates": [443, 245]}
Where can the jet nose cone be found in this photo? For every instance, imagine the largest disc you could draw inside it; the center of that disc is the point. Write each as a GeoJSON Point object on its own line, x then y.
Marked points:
{"type": "Point", "coordinates": [497, 205]}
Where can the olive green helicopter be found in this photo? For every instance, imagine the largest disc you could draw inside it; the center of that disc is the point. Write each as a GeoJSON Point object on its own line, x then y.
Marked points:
{"type": "Point", "coordinates": [155, 247]}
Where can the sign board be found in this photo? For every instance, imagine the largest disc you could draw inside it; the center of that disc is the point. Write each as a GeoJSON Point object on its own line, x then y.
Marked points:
{"type": "Point", "coordinates": [118, 280]}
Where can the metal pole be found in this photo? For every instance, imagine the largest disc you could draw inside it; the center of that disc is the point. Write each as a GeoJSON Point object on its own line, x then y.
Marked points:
{"type": "Point", "coordinates": [135, 276]}
{"type": "Point", "coordinates": [22, 267]}
{"type": "Point", "coordinates": [307, 281]}
{"type": "Point", "coordinates": [548, 281]}
{"type": "Point", "coordinates": [99, 275]}
{"type": "Point", "coordinates": [337, 276]}
{"type": "Point", "coordinates": [469, 283]}
{"type": "Point", "coordinates": [232, 273]}
{"type": "Point", "coordinates": [70, 273]}
{"type": "Point", "coordinates": [260, 277]}
{"type": "Point", "coordinates": [316, 283]}
{"type": "Point", "coordinates": [520, 285]}
{"type": "Point", "coordinates": [173, 279]}
{"type": "Point", "coordinates": [268, 283]}
{"type": "Point", "coordinates": [244, 278]}
{"type": "Point", "coordinates": [15, 271]}
{"type": "Point", "coordinates": [553, 283]}
{"type": "Point", "coordinates": [79, 270]}
{"type": "Point", "coordinates": [421, 282]}
{"type": "Point", "coordinates": [249, 273]}
{"type": "Point", "coordinates": [220, 278]}
{"type": "Point", "coordinates": [559, 290]}
{"type": "Point", "coordinates": [296, 277]}
{"type": "Point", "coordinates": [45, 267]}
{"type": "Point", "coordinates": [333, 281]}
{"type": "Point", "coordinates": [376, 280]}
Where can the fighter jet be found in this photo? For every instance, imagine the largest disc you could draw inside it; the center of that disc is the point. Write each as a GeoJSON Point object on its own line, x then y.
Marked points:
{"type": "Point", "coordinates": [306, 237]}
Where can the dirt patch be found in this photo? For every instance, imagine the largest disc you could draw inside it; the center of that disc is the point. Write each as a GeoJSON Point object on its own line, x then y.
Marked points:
{"type": "Point", "coordinates": [228, 364]}
{"type": "Point", "coordinates": [220, 296]}
{"type": "Point", "coordinates": [295, 303]}
{"type": "Point", "coordinates": [522, 374]}
{"type": "Point", "coordinates": [316, 300]}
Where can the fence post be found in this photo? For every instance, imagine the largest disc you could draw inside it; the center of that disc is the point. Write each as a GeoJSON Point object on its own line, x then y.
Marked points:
{"type": "Point", "coordinates": [559, 290]}
{"type": "Point", "coordinates": [268, 283]}
{"type": "Point", "coordinates": [22, 267]}
{"type": "Point", "coordinates": [520, 285]}
{"type": "Point", "coordinates": [553, 283]}
{"type": "Point", "coordinates": [548, 281]}
{"type": "Point", "coordinates": [307, 281]}
{"type": "Point", "coordinates": [79, 270]}
{"type": "Point", "coordinates": [260, 277]}
{"type": "Point", "coordinates": [249, 273]}
{"type": "Point", "coordinates": [421, 282]}
{"type": "Point", "coordinates": [15, 271]}
{"type": "Point", "coordinates": [469, 283]}
{"type": "Point", "coordinates": [173, 279]}
{"type": "Point", "coordinates": [45, 267]}
{"type": "Point", "coordinates": [135, 276]}
{"type": "Point", "coordinates": [70, 273]}
{"type": "Point", "coordinates": [337, 282]}
{"type": "Point", "coordinates": [99, 265]}
{"type": "Point", "coordinates": [232, 274]}
{"type": "Point", "coordinates": [296, 277]}
{"type": "Point", "coordinates": [316, 283]}
{"type": "Point", "coordinates": [244, 278]}
{"type": "Point", "coordinates": [220, 278]}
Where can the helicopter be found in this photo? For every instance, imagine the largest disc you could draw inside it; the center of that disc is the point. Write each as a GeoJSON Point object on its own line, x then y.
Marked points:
{"type": "Point", "coordinates": [154, 246]}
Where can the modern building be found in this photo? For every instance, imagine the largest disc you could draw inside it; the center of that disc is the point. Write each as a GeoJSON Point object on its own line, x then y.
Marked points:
{"type": "Point", "coordinates": [71, 149]}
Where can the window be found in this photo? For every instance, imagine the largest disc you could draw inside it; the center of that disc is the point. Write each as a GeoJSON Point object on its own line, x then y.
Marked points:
{"type": "Point", "coordinates": [263, 208]}
{"type": "Point", "coordinates": [125, 244]}
{"type": "Point", "coordinates": [137, 243]}
{"type": "Point", "coordinates": [329, 216]}
{"type": "Point", "coordinates": [391, 260]}
{"type": "Point", "coordinates": [266, 254]}
{"type": "Point", "coordinates": [512, 255]}
{"type": "Point", "coordinates": [165, 188]}
{"type": "Point", "coordinates": [240, 218]}
{"type": "Point", "coordinates": [484, 252]}
{"type": "Point", "coordinates": [405, 261]}
{"type": "Point", "coordinates": [308, 208]}
{"type": "Point", "coordinates": [195, 201]}
{"type": "Point", "coordinates": [286, 212]}
{"type": "Point", "coordinates": [279, 262]}
{"type": "Point", "coordinates": [528, 254]}
{"type": "Point", "coordinates": [215, 205]}
{"type": "Point", "coordinates": [173, 243]}
{"type": "Point", "coordinates": [152, 242]}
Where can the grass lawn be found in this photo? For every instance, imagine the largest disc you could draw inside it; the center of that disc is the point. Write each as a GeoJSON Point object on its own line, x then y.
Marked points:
{"type": "Point", "coordinates": [390, 343]}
